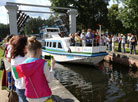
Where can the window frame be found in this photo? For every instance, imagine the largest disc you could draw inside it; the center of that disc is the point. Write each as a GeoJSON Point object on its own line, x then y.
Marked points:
{"type": "Point", "coordinates": [60, 45]}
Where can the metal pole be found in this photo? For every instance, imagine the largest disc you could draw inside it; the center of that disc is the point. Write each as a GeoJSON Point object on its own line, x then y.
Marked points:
{"type": "Point", "coordinates": [23, 4]}
{"type": "Point", "coordinates": [39, 12]}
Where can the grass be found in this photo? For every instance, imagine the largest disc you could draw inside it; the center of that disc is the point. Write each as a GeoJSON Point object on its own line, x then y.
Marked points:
{"type": "Point", "coordinates": [0, 74]}
{"type": "Point", "coordinates": [127, 50]}
{"type": "Point", "coordinates": [1, 53]}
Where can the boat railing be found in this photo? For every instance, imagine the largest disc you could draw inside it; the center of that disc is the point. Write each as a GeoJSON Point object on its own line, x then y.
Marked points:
{"type": "Point", "coordinates": [88, 49]}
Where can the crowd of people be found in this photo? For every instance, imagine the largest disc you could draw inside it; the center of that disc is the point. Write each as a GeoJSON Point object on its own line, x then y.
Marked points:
{"type": "Point", "coordinates": [25, 52]}
{"type": "Point", "coordinates": [90, 38]}
{"type": "Point", "coordinates": [122, 40]}
{"type": "Point", "coordinates": [93, 38]}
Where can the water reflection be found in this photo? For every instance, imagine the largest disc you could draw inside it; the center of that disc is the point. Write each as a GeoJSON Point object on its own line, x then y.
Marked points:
{"type": "Point", "coordinates": [105, 83]}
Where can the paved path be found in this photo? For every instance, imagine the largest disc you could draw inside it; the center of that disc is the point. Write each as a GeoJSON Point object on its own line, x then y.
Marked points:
{"type": "Point", "coordinates": [3, 95]}
{"type": "Point", "coordinates": [60, 93]}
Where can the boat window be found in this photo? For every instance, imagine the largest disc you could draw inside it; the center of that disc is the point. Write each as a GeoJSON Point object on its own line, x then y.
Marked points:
{"type": "Point", "coordinates": [44, 43]}
{"type": "Point", "coordinates": [59, 45]}
{"type": "Point", "coordinates": [52, 30]}
{"type": "Point", "coordinates": [50, 44]}
{"type": "Point", "coordinates": [47, 44]}
{"type": "Point", "coordinates": [54, 44]}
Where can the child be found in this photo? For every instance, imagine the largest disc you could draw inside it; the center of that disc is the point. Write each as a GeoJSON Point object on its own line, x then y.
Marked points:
{"type": "Point", "coordinates": [36, 73]}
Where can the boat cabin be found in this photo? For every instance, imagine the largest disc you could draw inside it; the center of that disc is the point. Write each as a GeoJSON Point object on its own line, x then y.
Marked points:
{"type": "Point", "coordinates": [56, 44]}
{"type": "Point", "coordinates": [63, 45]}
{"type": "Point", "coordinates": [49, 32]}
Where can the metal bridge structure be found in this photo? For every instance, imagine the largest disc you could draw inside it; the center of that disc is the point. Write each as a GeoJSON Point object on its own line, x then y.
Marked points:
{"type": "Point", "coordinates": [13, 8]}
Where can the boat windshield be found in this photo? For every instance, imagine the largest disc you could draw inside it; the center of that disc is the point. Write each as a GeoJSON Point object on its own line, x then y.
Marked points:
{"type": "Point", "coordinates": [52, 30]}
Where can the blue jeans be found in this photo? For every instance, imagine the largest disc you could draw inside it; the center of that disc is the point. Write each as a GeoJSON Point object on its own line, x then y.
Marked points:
{"type": "Point", "coordinates": [132, 47]}
{"type": "Point", "coordinates": [10, 78]}
{"type": "Point", "coordinates": [123, 47]}
{"type": "Point", "coordinates": [119, 47]}
{"type": "Point", "coordinates": [109, 47]}
{"type": "Point", "coordinates": [21, 96]}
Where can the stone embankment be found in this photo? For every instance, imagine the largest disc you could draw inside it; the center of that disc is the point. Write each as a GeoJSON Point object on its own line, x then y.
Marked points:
{"type": "Point", "coordinates": [122, 58]}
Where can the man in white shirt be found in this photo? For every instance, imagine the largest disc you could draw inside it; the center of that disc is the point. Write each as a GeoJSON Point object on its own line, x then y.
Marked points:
{"type": "Point", "coordinates": [83, 38]}
{"type": "Point", "coordinates": [123, 42]}
{"type": "Point", "coordinates": [113, 43]}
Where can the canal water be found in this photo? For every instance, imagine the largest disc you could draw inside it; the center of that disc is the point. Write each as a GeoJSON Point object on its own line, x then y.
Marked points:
{"type": "Point", "coordinates": [105, 83]}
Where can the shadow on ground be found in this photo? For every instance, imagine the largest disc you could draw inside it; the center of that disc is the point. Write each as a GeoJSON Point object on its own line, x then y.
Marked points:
{"type": "Point", "coordinates": [59, 99]}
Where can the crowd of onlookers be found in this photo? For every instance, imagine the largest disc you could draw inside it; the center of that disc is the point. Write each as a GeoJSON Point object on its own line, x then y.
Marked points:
{"type": "Point", "coordinates": [89, 38]}
{"type": "Point", "coordinates": [94, 38]}
{"type": "Point", "coordinates": [123, 40]}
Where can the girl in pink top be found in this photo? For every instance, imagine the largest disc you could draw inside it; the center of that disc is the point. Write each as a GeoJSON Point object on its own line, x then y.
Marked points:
{"type": "Point", "coordinates": [36, 73]}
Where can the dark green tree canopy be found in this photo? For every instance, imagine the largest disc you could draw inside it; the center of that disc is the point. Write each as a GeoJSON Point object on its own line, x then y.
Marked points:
{"type": "Point", "coordinates": [4, 30]}
{"type": "Point", "coordinates": [90, 12]}
{"type": "Point", "coordinates": [34, 24]}
{"type": "Point", "coordinates": [115, 25]}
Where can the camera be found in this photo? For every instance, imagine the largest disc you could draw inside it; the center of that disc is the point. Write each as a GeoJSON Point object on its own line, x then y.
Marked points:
{"type": "Point", "coordinates": [47, 57]}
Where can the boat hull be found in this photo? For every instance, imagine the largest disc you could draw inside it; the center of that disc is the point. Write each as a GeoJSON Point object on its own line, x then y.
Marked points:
{"type": "Point", "coordinates": [81, 59]}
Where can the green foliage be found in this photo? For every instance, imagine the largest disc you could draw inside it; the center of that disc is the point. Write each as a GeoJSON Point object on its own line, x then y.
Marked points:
{"type": "Point", "coordinates": [32, 27]}
{"type": "Point", "coordinates": [1, 53]}
{"type": "Point", "coordinates": [90, 12]}
{"type": "Point", "coordinates": [128, 14]}
{"type": "Point", "coordinates": [4, 30]}
{"type": "Point", "coordinates": [1, 74]}
{"type": "Point", "coordinates": [116, 25]}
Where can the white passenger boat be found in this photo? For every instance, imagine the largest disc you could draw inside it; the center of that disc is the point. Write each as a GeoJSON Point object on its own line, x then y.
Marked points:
{"type": "Point", "coordinates": [60, 48]}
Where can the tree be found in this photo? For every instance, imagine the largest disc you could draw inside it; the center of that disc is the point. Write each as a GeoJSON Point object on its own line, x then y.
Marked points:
{"type": "Point", "coordinates": [4, 30]}
{"type": "Point", "coordinates": [90, 12]}
{"type": "Point", "coordinates": [50, 20]}
{"type": "Point", "coordinates": [34, 24]}
{"type": "Point", "coordinates": [115, 25]}
{"type": "Point", "coordinates": [128, 14]}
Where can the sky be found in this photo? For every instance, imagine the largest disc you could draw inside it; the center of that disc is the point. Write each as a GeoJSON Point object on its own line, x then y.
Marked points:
{"type": "Point", "coordinates": [4, 18]}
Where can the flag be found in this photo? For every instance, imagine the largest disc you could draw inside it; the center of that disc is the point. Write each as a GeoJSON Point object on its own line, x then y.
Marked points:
{"type": "Point", "coordinates": [17, 72]}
